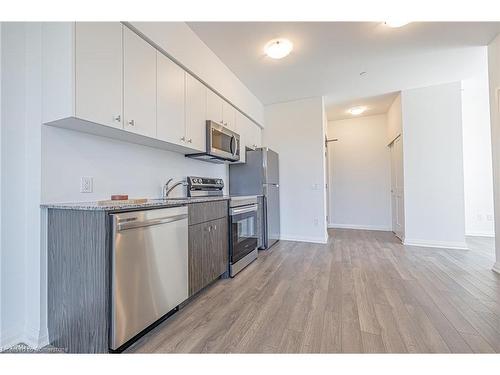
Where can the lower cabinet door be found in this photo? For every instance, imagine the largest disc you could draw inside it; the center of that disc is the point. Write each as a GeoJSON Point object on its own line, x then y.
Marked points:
{"type": "Point", "coordinates": [208, 253]}
{"type": "Point", "coordinates": [219, 255]}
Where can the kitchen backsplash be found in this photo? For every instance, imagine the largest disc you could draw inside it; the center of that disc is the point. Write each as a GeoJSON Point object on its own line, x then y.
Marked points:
{"type": "Point", "coordinates": [115, 167]}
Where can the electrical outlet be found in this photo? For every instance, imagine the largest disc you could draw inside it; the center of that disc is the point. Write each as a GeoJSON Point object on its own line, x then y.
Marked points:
{"type": "Point", "coordinates": [86, 184]}
{"type": "Point", "coordinates": [479, 217]}
{"type": "Point", "coordinates": [489, 217]}
{"type": "Point", "coordinates": [316, 222]}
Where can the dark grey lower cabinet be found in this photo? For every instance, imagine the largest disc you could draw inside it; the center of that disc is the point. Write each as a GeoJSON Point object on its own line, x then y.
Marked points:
{"type": "Point", "coordinates": [78, 265]}
{"type": "Point", "coordinates": [208, 253]}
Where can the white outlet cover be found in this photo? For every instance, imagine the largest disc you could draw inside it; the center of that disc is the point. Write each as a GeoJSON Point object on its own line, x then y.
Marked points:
{"type": "Point", "coordinates": [86, 184]}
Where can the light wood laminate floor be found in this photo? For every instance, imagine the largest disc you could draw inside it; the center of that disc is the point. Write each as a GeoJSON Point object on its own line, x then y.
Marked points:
{"type": "Point", "coordinates": [363, 292]}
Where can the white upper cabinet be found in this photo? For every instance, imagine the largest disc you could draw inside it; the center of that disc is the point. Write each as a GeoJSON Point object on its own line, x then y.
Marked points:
{"type": "Point", "coordinates": [228, 115]}
{"type": "Point", "coordinates": [249, 132]}
{"type": "Point", "coordinates": [98, 72]}
{"type": "Point", "coordinates": [214, 107]}
{"type": "Point", "coordinates": [139, 85]}
{"type": "Point", "coordinates": [196, 113]}
{"type": "Point", "coordinates": [170, 101]}
{"type": "Point", "coordinates": [255, 135]}
{"type": "Point", "coordinates": [103, 78]}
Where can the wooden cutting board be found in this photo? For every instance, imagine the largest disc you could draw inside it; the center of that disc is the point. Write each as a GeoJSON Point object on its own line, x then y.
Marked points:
{"type": "Point", "coordinates": [122, 202]}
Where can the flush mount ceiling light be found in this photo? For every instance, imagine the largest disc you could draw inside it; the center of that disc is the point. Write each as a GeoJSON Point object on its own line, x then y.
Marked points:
{"type": "Point", "coordinates": [356, 110]}
{"type": "Point", "coordinates": [278, 48]}
{"type": "Point", "coordinates": [396, 23]}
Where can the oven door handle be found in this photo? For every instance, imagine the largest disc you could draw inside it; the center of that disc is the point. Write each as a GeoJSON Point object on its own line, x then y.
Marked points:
{"type": "Point", "coordinates": [242, 210]}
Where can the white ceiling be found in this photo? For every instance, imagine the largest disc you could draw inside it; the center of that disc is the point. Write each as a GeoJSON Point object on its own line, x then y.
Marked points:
{"type": "Point", "coordinates": [328, 57]}
{"type": "Point", "coordinates": [375, 105]}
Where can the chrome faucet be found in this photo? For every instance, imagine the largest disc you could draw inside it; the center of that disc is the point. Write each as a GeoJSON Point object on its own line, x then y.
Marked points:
{"type": "Point", "coordinates": [166, 189]}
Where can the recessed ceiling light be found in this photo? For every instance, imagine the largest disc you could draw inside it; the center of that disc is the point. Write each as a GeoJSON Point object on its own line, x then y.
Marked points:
{"type": "Point", "coordinates": [356, 110]}
{"type": "Point", "coordinates": [396, 23]}
{"type": "Point", "coordinates": [278, 48]}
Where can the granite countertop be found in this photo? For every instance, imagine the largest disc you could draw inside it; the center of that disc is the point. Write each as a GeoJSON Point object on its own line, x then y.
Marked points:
{"type": "Point", "coordinates": [151, 203]}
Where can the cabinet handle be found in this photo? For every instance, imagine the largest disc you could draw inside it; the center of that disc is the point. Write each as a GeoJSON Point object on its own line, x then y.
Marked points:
{"type": "Point", "coordinates": [183, 139]}
{"type": "Point", "coordinates": [131, 123]}
{"type": "Point", "coordinates": [209, 228]}
{"type": "Point", "coordinates": [117, 118]}
{"type": "Point", "coordinates": [215, 227]}
{"type": "Point", "coordinates": [190, 140]}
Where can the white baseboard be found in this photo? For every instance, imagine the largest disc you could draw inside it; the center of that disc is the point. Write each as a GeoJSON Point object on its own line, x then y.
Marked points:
{"type": "Point", "coordinates": [303, 239]}
{"type": "Point", "coordinates": [436, 244]}
{"type": "Point", "coordinates": [10, 337]}
{"type": "Point", "coordinates": [480, 234]}
{"type": "Point", "coordinates": [35, 338]}
{"type": "Point", "coordinates": [496, 267]}
{"type": "Point", "coordinates": [360, 227]}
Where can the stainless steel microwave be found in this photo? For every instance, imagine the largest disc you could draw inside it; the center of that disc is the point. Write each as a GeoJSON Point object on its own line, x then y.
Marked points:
{"type": "Point", "coordinates": [222, 144]}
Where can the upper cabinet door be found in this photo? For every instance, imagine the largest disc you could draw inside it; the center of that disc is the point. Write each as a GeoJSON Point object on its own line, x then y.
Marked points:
{"type": "Point", "coordinates": [98, 72]}
{"type": "Point", "coordinates": [241, 129]}
{"type": "Point", "coordinates": [257, 131]}
{"type": "Point", "coordinates": [214, 107]}
{"type": "Point", "coordinates": [228, 115]}
{"type": "Point", "coordinates": [196, 113]}
{"type": "Point", "coordinates": [170, 105]}
{"type": "Point", "coordinates": [139, 84]}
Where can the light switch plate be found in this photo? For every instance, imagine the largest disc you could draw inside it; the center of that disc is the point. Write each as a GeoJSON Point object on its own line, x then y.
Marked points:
{"type": "Point", "coordinates": [86, 184]}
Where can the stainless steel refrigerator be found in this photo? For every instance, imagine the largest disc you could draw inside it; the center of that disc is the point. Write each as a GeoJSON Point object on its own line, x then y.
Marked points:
{"type": "Point", "coordinates": [260, 176]}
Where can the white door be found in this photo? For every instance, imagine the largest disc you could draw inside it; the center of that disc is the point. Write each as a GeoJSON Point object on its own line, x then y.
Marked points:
{"type": "Point", "coordinates": [228, 115]}
{"type": "Point", "coordinates": [170, 101]}
{"type": "Point", "coordinates": [214, 107]}
{"type": "Point", "coordinates": [397, 190]}
{"type": "Point", "coordinates": [139, 85]}
{"type": "Point", "coordinates": [98, 72]}
{"type": "Point", "coordinates": [196, 112]}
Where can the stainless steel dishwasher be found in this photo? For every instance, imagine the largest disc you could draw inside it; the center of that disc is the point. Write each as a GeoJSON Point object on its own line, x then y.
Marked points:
{"type": "Point", "coordinates": [149, 269]}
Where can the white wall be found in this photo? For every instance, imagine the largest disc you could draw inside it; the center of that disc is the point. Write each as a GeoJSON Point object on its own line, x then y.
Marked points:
{"type": "Point", "coordinates": [178, 40]}
{"type": "Point", "coordinates": [360, 174]}
{"type": "Point", "coordinates": [478, 173]}
{"type": "Point", "coordinates": [494, 84]}
{"type": "Point", "coordinates": [116, 167]}
{"type": "Point", "coordinates": [13, 174]}
{"type": "Point", "coordinates": [1, 196]}
{"type": "Point", "coordinates": [433, 166]}
{"type": "Point", "coordinates": [296, 131]}
{"type": "Point", "coordinates": [394, 120]}
{"type": "Point", "coordinates": [20, 192]}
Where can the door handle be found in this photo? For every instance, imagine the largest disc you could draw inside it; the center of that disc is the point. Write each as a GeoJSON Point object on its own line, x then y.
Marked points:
{"type": "Point", "coordinates": [133, 223]}
{"type": "Point", "coordinates": [231, 147]}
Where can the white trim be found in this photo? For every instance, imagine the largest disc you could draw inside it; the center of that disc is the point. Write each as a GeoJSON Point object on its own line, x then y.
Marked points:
{"type": "Point", "coordinates": [480, 234]}
{"type": "Point", "coordinates": [303, 239]}
{"type": "Point", "coordinates": [496, 267]}
{"type": "Point", "coordinates": [34, 338]}
{"type": "Point", "coordinates": [360, 227]}
{"type": "Point", "coordinates": [9, 338]}
{"type": "Point", "coordinates": [436, 244]}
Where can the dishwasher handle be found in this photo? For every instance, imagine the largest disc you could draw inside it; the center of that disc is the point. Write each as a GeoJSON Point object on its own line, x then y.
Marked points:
{"type": "Point", "coordinates": [133, 222]}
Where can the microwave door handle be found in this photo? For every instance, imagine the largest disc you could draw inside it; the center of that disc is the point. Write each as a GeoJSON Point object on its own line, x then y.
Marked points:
{"type": "Point", "coordinates": [233, 148]}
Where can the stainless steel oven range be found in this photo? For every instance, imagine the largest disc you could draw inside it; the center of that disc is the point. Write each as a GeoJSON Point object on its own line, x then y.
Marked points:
{"type": "Point", "coordinates": [243, 233]}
